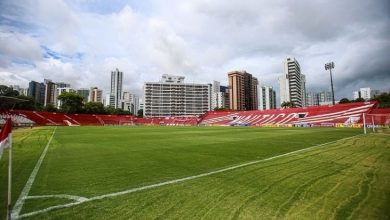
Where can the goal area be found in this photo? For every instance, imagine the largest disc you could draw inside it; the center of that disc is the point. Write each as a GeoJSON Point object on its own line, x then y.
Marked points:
{"type": "Point", "coordinates": [377, 123]}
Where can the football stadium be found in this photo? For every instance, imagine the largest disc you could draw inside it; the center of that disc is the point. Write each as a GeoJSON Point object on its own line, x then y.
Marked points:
{"type": "Point", "coordinates": [194, 109]}
{"type": "Point", "coordinates": [323, 162]}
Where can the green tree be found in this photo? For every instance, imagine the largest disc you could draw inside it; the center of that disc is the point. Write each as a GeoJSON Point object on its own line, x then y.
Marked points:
{"type": "Point", "coordinates": [220, 109]}
{"type": "Point", "coordinates": [344, 100]}
{"type": "Point", "coordinates": [71, 102]}
{"type": "Point", "coordinates": [383, 99]}
{"type": "Point", "coordinates": [288, 105]}
{"type": "Point", "coordinates": [30, 104]}
{"type": "Point", "coordinates": [94, 108]}
{"type": "Point", "coordinates": [110, 110]}
{"type": "Point", "coordinates": [50, 108]}
{"type": "Point", "coordinates": [359, 100]}
{"type": "Point", "coordinates": [140, 113]}
{"type": "Point", "coordinates": [117, 111]}
{"type": "Point", "coordinates": [8, 91]}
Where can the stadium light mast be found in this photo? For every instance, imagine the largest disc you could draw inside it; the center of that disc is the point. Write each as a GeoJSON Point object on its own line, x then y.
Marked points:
{"type": "Point", "coordinates": [329, 66]}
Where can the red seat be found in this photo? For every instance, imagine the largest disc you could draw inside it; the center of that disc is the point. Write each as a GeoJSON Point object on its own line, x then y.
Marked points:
{"type": "Point", "coordinates": [333, 114]}
{"type": "Point", "coordinates": [306, 116]}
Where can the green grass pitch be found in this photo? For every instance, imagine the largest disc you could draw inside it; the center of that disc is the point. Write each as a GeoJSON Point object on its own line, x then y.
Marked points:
{"type": "Point", "coordinates": [87, 167]}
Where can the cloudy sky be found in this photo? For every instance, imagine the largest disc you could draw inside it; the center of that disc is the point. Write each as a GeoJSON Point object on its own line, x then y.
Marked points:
{"type": "Point", "coordinates": [80, 42]}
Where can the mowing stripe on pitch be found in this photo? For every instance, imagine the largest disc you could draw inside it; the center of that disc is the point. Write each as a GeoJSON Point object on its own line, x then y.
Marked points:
{"type": "Point", "coordinates": [20, 202]}
{"type": "Point", "coordinates": [176, 180]}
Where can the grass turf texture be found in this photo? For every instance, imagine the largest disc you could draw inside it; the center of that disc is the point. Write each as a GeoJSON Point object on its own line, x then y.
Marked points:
{"type": "Point", "coordinates": [347, 179]}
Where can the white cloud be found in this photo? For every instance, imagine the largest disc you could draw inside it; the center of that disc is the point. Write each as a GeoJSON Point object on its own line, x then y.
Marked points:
{"type": "Point", "coordinates": [202, 40]}
{"type": "Point", "coordinates": [19, 47]}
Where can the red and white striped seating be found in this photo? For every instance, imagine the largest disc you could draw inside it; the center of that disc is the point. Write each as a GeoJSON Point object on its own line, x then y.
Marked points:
{"type": "Point", "coordinates": [341, 113]}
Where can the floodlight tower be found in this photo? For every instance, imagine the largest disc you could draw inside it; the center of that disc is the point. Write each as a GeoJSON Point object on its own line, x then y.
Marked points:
{"type": "Point", "coordinates": [329, 66]}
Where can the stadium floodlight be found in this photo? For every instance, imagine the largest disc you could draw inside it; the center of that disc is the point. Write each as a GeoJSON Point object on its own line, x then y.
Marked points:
{"type": "Point", "coordinates": [329, 66]}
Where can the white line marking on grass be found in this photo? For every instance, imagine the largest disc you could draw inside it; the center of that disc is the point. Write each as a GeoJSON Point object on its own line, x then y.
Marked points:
{"type": "Point", "coordinates": [20, 202]}
{"type": "Point", "coordinates": [176, 180]}
{"type": "Point", "coordinates": [72, 197]}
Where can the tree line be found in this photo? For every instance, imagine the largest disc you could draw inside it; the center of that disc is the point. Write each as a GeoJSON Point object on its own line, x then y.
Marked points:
{"type": "Point", "coordinates": [383, 100]}
{"type": "Point", "coordinates": [71, 102]}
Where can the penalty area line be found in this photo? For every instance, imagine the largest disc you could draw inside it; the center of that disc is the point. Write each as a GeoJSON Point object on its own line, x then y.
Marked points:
{"type": "Point", "coordinates": [20, 202]}
{"type": "Point", "coordinates": [109, 195]}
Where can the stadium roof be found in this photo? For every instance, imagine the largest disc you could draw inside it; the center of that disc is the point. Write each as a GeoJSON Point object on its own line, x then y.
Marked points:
{"type": "Point", "coordinates": [11, 101]}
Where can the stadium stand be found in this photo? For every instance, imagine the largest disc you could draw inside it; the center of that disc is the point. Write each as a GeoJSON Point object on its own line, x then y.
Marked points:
{"type": "Point", "coordinates": [378, 117]}
{"type": "Point", "coordinates": [331, 115]}
{"type": "Point", "coordinates": [85, 119]}
{"type": "Point", "coordinates": [179, 121]}
{"type": "Point", "coordinates": [17, 119]}
{"type": "Point", "coordinates": [339, 115]}
{"type": "Point", "coordinates": [34, 116]}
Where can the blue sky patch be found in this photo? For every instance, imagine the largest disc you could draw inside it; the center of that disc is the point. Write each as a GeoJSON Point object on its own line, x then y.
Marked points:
{"type": "Point", "coordinates": [49, 53]}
